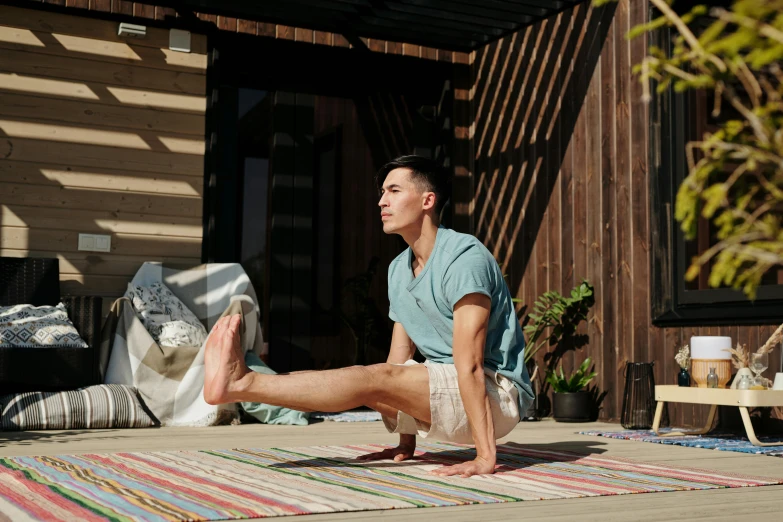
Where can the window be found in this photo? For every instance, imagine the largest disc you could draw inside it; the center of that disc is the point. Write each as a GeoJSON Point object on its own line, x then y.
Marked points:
{"type": "Point", "coordinates": [676, 119]}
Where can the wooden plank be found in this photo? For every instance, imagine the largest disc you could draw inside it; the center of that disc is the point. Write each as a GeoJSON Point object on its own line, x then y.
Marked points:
{"type": "Point", "coordinates": [100, 5]}
{"type": "Point", "coordinates": [46, 22]}
{"type": "Point", "coordinates": [622, 196]}
{"type": "Point", "coordinates": [97, 263]}
{"type": "Point", "coordinates": [595, 246]}
{"type": "Point", "coordinates": [122, 7]}
{"type": "Point", "coordinates": [264, 29]}
{"type": "Point", "coordinates": [99, 222]}
{"type": "Point", "coordinates": [125, 244]}
{"type": "Point", "coordinates": [75, 284]}
{"type": "Point", "coordinates": [393, 47]}
{"type": "Point", "coordinates": [322, 38]}
{"type": "Point", "coordinates": [87, 199]}
{"type": "Point", "coordinates": [70, 46]}
{"type": "Point", "coordinates": [80, 155]}
{"type": "Point", "coordinates": [162, 12]}
{"type": "Point", "coordinates": [143, 10]}
{"type": "Point", "coordinates": [209, 18]}
{"type": "Point", "coordinates": [303, 35]}
{"type": "Point", "coordinates": [285, 32]}
{"type": "Point", "coordinates": [141, 140]}
{"type": "Point", "coordinates": [98, 74]}
{"type": "Point", "coordinates": [65, 176]}
{"type": "Point", "coordinates": [609, 308]}
{"type": "Point", "coordinates": [428, 53]}
{"type": "Point", "coordinates": [79, 4]}
{"type": "Point", "coordinates": [247, 26]}
{"type": "Point", "coordinates": [227, 23]}
{"type": "Point", "coordinates": [338, 40]}
{"type": "Point", "coordinates": [59, 89]}
{"type": "Point", "coordinates": [567, 216]}
{"type": "Point", "coordinates": [580, 210]}
{"type": "Point", "coordinates": [378, 46]}
{"type": "Point", "coordinates": [639, 195]}
{"type": "Point", "coordinates": [97, 115]}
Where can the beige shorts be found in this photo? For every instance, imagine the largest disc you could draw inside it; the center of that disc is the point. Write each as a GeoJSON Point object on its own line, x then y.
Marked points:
{"type": "Point", "coordinates": [449, 419]}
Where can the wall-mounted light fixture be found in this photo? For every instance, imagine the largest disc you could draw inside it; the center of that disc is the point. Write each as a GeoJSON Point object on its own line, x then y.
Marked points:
{"type": "Point", "coordinates": [132, 30]}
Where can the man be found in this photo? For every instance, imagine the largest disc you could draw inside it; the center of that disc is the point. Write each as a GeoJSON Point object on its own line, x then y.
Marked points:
{"type": "Point", "coordinates": [448, 299]}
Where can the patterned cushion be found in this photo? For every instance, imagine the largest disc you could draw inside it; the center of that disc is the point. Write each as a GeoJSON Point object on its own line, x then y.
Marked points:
{"type": "Point", "coordinates": [100, 406]}
{"type": "Point", "coordinates": [27, 326]}
{"type": "Point", "coordinates": [166, 318]}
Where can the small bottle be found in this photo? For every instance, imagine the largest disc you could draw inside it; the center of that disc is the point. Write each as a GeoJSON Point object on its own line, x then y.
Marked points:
{"type": "Point", "coordinates": [744, 383]}
{"type": "Point", "coordinates": [712, 379]}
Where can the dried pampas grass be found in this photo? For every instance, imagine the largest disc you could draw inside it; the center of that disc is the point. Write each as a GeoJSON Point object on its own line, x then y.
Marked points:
{"type": "Point", "coordinates": [772, 341]}
{"type": "Point", "coordinates": [740, 356]}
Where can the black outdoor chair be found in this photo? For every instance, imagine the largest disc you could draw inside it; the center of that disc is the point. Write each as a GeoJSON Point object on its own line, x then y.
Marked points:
{"type": "Point", "coordinates": [36, 281]}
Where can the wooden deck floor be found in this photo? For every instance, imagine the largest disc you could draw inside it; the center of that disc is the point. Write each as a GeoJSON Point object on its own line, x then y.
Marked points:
{"type": "Point", "coordinates": [730, 504]}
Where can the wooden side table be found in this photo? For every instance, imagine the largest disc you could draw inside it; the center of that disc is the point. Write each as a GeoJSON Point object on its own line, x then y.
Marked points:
{"type": "Point", "coordinates": [715, 397]}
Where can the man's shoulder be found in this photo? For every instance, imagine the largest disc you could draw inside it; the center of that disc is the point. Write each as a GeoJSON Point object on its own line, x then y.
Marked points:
{"type": "Point", "coordinates": [459, 246]}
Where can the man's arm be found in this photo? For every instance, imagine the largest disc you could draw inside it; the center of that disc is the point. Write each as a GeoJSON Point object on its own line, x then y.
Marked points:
{"type": "Point", "coordinates": [401, 350]}
{"type": "Point", "coordinates": [402, 347]}
{"type": "Point", "coordinates": [471, 320]}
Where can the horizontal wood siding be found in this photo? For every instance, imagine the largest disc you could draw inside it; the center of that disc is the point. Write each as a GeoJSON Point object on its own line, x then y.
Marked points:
{"type": "Point", "coordinates": [284, 32]}
{"type": "Point", "coordinates": [562, 187]}
{"type": "Point", "coordinates": [99, 134]}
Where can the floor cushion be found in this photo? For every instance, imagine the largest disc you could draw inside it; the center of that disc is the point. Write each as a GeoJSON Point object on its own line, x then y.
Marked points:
{"type": "Point", "coordinates": [99, 406]}
{"type": "Point", "coordinates": [28, 326]}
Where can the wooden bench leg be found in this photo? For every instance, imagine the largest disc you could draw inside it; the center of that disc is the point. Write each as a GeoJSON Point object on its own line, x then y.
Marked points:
{"type": "Point", "coordinates": [658, 415]}
{"type": "Point", "coordinates": [707, 427]}
{"type": "Point", "coordinates": [751, 432]}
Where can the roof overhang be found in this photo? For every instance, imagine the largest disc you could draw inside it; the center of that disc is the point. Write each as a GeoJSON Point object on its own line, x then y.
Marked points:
{"type": "Point", "coordinates": [458, 25]}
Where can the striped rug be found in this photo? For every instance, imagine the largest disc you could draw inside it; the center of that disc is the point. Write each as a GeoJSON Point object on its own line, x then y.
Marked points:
{"type": "Point", "coordinates": [247, 483]}
{"type": "Point", "coordinates": [715, 440]}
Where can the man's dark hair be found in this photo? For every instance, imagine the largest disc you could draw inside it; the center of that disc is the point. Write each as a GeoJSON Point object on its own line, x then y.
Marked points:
{"type": "Point", "coordinates": [428, 174]}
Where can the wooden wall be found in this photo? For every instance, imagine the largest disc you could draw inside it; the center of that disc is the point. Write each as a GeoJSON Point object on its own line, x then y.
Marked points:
{"type": "Point", "coordinates": [284, 32]}
{"type": "Point", "coordinates": [562, 186]}
{"type": "Point", "coordinates": [99, 134]}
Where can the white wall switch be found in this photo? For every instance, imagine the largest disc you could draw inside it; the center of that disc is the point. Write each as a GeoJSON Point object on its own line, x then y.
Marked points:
{"type": "Point", "coordinates": [95, 242]}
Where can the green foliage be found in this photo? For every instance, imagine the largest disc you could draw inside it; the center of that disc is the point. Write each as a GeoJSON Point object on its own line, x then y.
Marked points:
{"type": "Point", "coordinates": [735, 177]}
{"type": "Point", "coordinates": [561, 314]}
{"type": "Point", "coordinates": [578, 380]}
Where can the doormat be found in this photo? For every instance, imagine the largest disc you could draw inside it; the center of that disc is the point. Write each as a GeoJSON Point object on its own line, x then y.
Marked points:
{"type": "Point", "coordinates": [715, 441]}
{"type": "Point", "coordinates": [247, 483]}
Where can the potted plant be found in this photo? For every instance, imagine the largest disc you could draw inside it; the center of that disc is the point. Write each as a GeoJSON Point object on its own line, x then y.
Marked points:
{"type": "Point", "coordinates": [554, 322]}
{"type": "Point", "coordinates": [571, 402]}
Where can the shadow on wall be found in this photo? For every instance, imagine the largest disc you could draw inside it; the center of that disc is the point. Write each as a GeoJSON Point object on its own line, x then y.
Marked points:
{"type": "Point", "coordinates": [102, 139]}
{"type": "Point", "coordinates": [529, 90]}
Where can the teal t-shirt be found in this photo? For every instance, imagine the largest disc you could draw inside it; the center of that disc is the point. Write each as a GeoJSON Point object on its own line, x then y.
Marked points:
{"type": "Point", "coordinates": [459, 265]}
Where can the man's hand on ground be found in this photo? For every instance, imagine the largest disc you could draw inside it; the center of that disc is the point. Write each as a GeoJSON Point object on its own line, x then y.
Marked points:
{"type": "Point", "coordinates": [479, 466]}
{"type": "Point", "coordinates": [404, 451]}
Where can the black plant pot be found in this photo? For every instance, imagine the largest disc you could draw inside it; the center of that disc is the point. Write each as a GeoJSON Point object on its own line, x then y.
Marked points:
{"type": "Point", "coordinates": [572, 407]}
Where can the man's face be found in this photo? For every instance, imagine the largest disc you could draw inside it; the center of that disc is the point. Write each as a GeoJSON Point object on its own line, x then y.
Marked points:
{"type": "Point", "coordinates": [402, 202]}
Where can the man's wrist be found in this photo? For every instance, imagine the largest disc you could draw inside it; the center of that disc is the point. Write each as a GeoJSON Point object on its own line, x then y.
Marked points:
{"type": "Point", "coordinates": [407, 441]}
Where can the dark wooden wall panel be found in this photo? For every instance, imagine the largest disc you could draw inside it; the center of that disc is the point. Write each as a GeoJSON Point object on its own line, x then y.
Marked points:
{"type": "Point", "coordinates": [564, 194]}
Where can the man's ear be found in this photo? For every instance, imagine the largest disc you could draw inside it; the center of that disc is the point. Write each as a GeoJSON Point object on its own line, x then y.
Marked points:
{"type": "Point", "coordinates": [429, 201]}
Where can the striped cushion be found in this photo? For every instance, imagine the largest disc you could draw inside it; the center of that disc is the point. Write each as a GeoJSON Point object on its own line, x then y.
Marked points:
{"type": "Point", "coordinates": [100, 406]}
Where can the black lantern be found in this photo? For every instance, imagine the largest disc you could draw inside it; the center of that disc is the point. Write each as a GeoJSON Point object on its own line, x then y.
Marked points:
{"type": "Point", "coordinates": [639, 396]}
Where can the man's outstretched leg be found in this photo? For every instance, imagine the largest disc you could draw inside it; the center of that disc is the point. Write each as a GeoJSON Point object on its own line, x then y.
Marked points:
{"type": "Point", "coordinates": [228, 379]}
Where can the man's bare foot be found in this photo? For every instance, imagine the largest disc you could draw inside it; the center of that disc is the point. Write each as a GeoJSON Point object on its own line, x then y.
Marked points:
{"type": "Point", "coordinates": [224, 362]}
